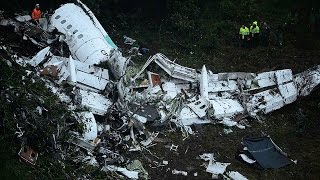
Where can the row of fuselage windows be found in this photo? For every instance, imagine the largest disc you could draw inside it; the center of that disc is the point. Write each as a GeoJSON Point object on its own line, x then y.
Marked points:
{"type": "Point", "coordinates": [69, 26]}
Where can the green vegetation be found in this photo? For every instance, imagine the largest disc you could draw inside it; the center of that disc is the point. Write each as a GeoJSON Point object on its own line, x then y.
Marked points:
{"type": "Point", "coordinates": [21, 95]}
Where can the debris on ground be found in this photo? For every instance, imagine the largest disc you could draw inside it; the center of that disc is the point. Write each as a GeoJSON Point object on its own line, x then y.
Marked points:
{"type": "Point", "coordinates": [176, 172]}
{"type": "Point", "coordinates": [234, 175]}
{"type": "Point", "coordinates": [115, 101]}
{"type": "Point", "coordinates": [136, 165]}
{"type": "Point", "coordinates": [263, 153]}
{"type": "Point", "coordinates": [214, 167]}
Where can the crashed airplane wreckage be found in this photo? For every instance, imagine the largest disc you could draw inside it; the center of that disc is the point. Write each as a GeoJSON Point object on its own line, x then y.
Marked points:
{"type": "Point", "coordinates": [175, 94]}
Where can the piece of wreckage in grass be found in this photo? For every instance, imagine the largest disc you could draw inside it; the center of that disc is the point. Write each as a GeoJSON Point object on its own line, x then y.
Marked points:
{"type": "Point", "coordinates": [225, 98]}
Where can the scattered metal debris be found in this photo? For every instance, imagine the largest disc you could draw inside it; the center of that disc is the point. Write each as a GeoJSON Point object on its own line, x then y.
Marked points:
{"type": "Point", "coordinates": [174, 148]}
{"type": "Point", "coordinates": [88, 72]}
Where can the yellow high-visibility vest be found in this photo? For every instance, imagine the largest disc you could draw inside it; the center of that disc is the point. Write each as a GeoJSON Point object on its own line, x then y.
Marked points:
{"type": "Point", "coordinates": [244, 31]}
{"type": "Point", "coordinates": [255, 30]}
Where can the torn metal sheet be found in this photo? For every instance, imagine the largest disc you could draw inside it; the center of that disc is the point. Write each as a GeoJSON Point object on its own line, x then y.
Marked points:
{"type": "Point", "coordinates": [226, 76]}
{"type": "Point", "coordinates": [288, 92]}
{"type": "Point", "coordinates": [151, 138]}
{"type": "Point", "coordinates": [173, 69]}
{"type": "Point", "coordinates": [40, 57]}
{"type": "Point", "coordinates": [85, 76]}
{"type": "Point", "coordinates": [124, 171]}
{"type": "Point", "coordinates": [234, 175]}
{"type": "Point", "coordinates": [90, 129]}
{"type": "Point", "coordinates": [222, 86]}
{"type": "Point", "coordinates": [128, 40]}
{"type": "Point", "coordinates": [91, 69]}
{"type": "Point", "coordinates": [265, 102]}
{"type": "Point", "coordinates": [214, 167]}
{"type": "Point", "coordinates": [136, 165]}
{"type": "Point", "coordinates": [247, 159]}
{"type": "Point", "coordinates": [217, 167]}
{"type": "Point", "coordinates": [267, 154]}
{"type": "Point", "coordinates": [170, 90]}
{"type": "Point", "coordinates": [189, 117]}
{"type": "Point", "coordinates": [91, 81]}
{"type": "Point", "coordinates": [283, 76]}
{"type": "Point", "coordinates": [139, 118]}
{"type": "Point", "coordinates": [177, 172]}
{"type": "Point", "coordinates": [117, 64]}
{"type": "Point", "coordinates": [307, 80]}
{"type": "Point", "coordinates": [148, 111]}
{"type": "Point", "coordinates": [262, 80]}
{"type": "Point", "coordinates": [28, 155]}
{"type": "Point", "coordinates": [97, 103]}
{"type": "Point", "coordinates": [227, 131]}
{"type": "Point", "coordinates": [200, 107]}
{"type": "Point", "coordinates": [63, 74]}
{"type": "Point", "coordinates": [225, 108]}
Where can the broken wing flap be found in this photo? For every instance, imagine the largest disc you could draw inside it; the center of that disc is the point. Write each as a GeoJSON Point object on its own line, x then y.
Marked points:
{"type": "Point", "coordinates": [287, 89]}
{"type": "Point", "coordinates": [307, 80]}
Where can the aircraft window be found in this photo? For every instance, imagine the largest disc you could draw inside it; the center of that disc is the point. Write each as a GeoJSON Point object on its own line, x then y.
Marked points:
{"type": "Point", "coordinates": [80, 36]}
{"type": "Point", "coordinates": [75, 31]}
{"type": "Point", "coordinates": [57, 17]}
{"type": "Point", "coordinates": [69, 26]}
{"type": "Point", "coordinates": [63, 21]}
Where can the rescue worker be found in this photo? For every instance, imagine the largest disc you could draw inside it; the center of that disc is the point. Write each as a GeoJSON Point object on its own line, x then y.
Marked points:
{"type": "Point", "coordinates": [280, 33]}
{"type": "Point", "coordinates": [36, 13]}
{"type": "Point", "coordinates": [265, 34]}
{"type": "Point", "coordinates": [255, 31]}
{"type": "Point", "coordinates": [244, 35]}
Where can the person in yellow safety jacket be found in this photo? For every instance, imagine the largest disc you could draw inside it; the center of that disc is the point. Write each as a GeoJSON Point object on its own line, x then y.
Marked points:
{"type": "Point", "coordinates": [254, 29]}
{"type": "Point", "coordinates": [244, 35]}
{"type": "Point", "coordinates": [244, 31]}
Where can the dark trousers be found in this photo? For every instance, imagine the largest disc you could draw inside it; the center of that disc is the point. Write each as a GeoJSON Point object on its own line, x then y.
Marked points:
{"type": "Point", "coordinates": [254, 40]}
{"type": "Point", "coordinates": [244, 42]}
